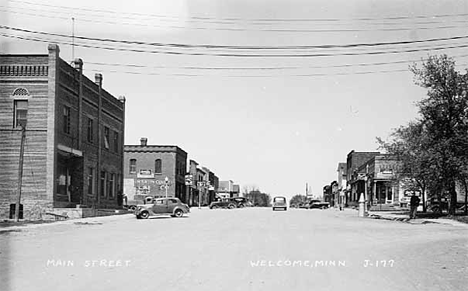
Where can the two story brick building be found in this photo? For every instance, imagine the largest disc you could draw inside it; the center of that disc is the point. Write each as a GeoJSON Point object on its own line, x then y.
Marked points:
{"type": "Point", "coordinates": [146, 168]}
{"type": "Point", "coordinates": [73, 137]}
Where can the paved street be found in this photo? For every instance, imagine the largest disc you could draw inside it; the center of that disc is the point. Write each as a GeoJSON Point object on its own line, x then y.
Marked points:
{"type": "Point", "coordinates": [240, 249]}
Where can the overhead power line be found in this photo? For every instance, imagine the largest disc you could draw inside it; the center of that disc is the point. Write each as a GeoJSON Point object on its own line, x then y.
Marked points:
{"type": "Point", "coordinates": [232, 47]}
{"type": "Point", "coordinates": [233, 29]}
{"type": "Point", "coordinates": [302, 55]}
{"type": "Point", "coordinates": [412, 17]}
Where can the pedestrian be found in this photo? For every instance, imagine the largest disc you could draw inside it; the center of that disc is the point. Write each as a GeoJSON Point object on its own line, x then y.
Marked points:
{"type": "Point", "coordinates": [414, 203]}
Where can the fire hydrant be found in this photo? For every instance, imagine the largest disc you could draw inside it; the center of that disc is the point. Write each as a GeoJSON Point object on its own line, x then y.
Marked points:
{"type": "Point", "coordinates": [362, 206]}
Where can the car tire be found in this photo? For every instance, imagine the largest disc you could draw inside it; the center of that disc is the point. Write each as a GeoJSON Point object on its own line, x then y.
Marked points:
{"type": "Point", "coordinates": [274, 209]}
{"type": "Point", "coordinates": [138, 217]}
{"type": "Point", "coordinates": [145, 215]}
{"type": "Point", "coordinates": [285, 208]}
{"type": "Point", "coordinates": [231, 206]}
{"type": "Point", "coordinates": [241, 205]}
{"type": "Point", "coordinates": [178, 213]}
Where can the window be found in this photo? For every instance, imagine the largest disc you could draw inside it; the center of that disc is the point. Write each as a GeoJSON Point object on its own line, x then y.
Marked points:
{"type": "Point", "coordinates": [103, 183]}
{"type": "Point", "coordinates": [174, 201]}
{"type": "Point", "coordinates": [116, 141]}
{"type": "Point", "coordinates": [21, 113]}
{"type": "Point", "coordinates": [90, 181]}
{"type": "Point", "coordinates": [132, 166]}
{"type": "Point", "coordinates": [90, 130]}
{"type": "Point", "coordinates": [66, 119]}
{"type": "Point", "coordinates": [106, 137]}
{"type": "Point", "coordinates": [158, 166]}
{"type": "Point", "coordinates": [111, 185]}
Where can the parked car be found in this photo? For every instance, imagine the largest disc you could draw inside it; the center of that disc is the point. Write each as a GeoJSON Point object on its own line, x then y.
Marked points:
{"type": "Point", "coordinates": [280, 202]}
{"type": "Point", "coordinates": [318, 204]}
{"type": "Point", "coordinates": [240, 201]}
{"type": "Point", "coordinates": [162, 206]}
{"type": "Point", "coordinates": [224, 203]}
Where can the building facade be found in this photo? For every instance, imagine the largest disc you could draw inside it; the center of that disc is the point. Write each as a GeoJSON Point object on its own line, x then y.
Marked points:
{"type": "Point", "coordinates": [154, 170]}
{"type": "Point", "coordinates": [72, 131]}
{"type": "Point", "coordinates": [342, 186]}
{"type": "Point", "coordinates": [355, 175]}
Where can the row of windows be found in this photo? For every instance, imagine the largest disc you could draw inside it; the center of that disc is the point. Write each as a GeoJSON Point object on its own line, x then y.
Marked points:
{"type": "Point", "coordinates": [108, 185]}
{"type": "Point", "coordinates": [20, 119]}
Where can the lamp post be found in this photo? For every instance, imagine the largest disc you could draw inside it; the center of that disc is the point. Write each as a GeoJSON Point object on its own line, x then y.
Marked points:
{"type": "Point", "coordinates": [166, 180]}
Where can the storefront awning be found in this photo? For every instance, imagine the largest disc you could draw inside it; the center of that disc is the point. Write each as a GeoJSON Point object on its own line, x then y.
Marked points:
{"type": "Point", "coordinates": [69, 150]}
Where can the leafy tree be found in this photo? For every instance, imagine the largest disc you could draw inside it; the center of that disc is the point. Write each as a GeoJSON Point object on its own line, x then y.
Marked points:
{"type": "Point", "coordinates": [411, 146]}
{"type": "Point", "coordinates": [444, 118]}
{"type": "Point", "coordinates": [259, 198]}
{"type": "Point", "coordinates": [296, 199]}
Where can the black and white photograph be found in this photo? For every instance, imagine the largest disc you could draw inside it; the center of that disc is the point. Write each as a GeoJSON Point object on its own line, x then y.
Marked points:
{"type": "Point", "coordinates": [237, 145]}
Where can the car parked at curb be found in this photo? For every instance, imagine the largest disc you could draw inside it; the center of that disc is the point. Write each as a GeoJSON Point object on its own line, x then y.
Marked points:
{"type": "Point", "coordinates": [224, 203]}
{"type": "Point", "coordinates": [318, 204]}
{"type": "Point", "coordinates": [280, 202]}
{"type": "Point", "coordinates": [162, 206]}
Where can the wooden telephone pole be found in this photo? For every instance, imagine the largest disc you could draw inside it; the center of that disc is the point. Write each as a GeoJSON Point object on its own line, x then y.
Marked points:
{"type": "Point", "coordinates": [20, 173]}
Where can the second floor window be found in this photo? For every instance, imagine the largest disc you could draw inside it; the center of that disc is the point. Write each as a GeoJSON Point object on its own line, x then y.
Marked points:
{"type": "Point", "coordinates": [116, 141]}
{"type": "Point", "coordinates": [21, 113]}
{"type": "Point", "coordinates": [66, 119]}
{"type": "Point", "coordinates": [90, 130]}
{"type": "Point", "coordinates": [132, 166]}
{"type": "Point", "coordinates": [158, 166]}
{"type": "Point", "coordinates": [106, 137]}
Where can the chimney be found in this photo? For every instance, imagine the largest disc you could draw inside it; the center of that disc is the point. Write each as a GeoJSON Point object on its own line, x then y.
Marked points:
{"type": "Point", "coordinates": [144, 141]}
{"type": "Point", "coordinates": [98, 79]}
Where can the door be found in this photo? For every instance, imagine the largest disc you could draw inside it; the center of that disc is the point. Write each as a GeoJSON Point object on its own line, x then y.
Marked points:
{"type": "Point", "coordinates": [160, 206]}
{"type": "Point", "coordinates": [171, 204]}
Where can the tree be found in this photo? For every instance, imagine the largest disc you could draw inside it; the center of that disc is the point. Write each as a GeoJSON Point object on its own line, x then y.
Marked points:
{"type": "Point", "coordinates": [297, 199]}
{"type": "Point", "coordinates": [444, 118]}
{"type": "Point", "coordinates": [259, 198]}
{"type": "Point", "coordinates": [411, 146]}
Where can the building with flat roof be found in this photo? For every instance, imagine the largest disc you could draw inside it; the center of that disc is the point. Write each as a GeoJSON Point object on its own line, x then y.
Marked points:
{"type": "Point", "coordinates": [154, 170]}
{"type": "Point", "coordinates": [72, 132]}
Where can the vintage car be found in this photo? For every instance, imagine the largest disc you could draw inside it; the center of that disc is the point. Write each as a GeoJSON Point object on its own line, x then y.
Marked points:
{"type": "Point", "coordinates": [280, 202]}
{"type": "Point", "coordinates": [318, 204]}
{"type": "Point", "coordinates": [224, 203]}
{"type": "Point", "coordinates": [162, 206]}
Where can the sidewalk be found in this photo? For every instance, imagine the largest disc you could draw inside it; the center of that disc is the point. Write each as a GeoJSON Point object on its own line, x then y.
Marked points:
{"type": "Point", "coordinates": [87, 220]}
{"type": "Point", "coordinates": [404, 217]}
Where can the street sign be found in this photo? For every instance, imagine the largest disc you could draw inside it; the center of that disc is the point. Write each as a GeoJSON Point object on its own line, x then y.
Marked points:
{"type": "Point", "coordinates": [188, 180]}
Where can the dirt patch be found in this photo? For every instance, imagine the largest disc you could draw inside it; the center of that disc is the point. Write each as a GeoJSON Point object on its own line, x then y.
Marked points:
{"type": "Point", "coordinates": [88, 223]}
{"type": "Point", "coordinates": [9, 223]}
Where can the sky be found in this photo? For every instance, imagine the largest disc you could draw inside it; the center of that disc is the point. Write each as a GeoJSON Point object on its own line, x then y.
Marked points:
{"type": "Point", "coordinates": [277, 120]}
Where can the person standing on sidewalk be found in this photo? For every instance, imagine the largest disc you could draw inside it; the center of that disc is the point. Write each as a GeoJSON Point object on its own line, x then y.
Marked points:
{"type": "Point", "coordinates": [414, 203]}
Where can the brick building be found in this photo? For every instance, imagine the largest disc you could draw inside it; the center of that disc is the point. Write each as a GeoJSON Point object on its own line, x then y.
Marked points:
{"type": "Point", "coordinates": [147, 166]}
{"type": "Point", "coordinates": [354, 176]}
{"type": "Point", "coordinates": [73, 145]}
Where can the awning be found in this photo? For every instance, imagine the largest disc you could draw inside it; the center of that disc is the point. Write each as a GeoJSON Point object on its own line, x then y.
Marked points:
{"type": "Point", "coordinates": [69, 150]}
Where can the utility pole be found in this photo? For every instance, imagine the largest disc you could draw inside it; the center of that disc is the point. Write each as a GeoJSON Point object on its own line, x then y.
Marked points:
{"type": "Point", "coordinates": [20, 172]}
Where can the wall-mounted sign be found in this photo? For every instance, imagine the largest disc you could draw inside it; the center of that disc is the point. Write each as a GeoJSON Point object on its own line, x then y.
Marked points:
{"type": "Point", "coordinates": [145, 174]}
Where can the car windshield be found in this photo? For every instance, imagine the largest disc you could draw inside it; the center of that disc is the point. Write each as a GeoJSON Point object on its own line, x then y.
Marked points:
{"type": "Point", "coordinates": [279, 199]}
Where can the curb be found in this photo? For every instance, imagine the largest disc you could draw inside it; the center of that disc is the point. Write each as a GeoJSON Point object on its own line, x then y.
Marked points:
{"type": "Point", "coordinates": [84, 220]}
{"type": "Point", "coordinates": [419, 221]}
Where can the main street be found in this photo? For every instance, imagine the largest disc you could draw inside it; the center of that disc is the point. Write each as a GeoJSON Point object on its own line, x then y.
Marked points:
{"type": "Point", "coordinates": [239, 249]}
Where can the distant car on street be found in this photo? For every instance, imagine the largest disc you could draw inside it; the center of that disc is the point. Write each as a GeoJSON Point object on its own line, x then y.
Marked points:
{"type": "Point", "coordinates": [224, 203]}
{"type": "Point", "coordinates": [162, 206]}
{"type": "Point", "coordinates": [280, 202]}
{"type": "Point", "coordinates": [318, 204]}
